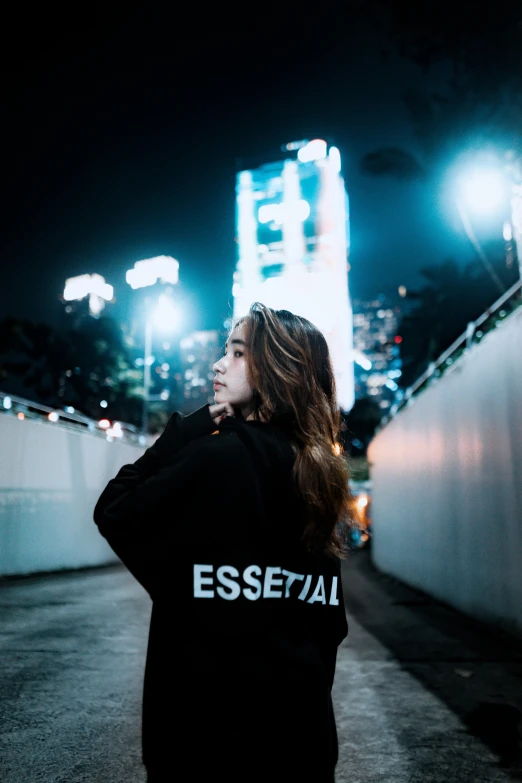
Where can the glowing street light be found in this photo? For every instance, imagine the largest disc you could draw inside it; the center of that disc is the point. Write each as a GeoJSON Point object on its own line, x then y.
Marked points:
{"type": "Point", "coordinates": [165, 316]}
{"type": "Point", "coordinates": [485, 190]}
{"type": "Point", "coordinates": [150, 270]}
{"type": "Point", "coordinates": [146, 273]}
{"type": "Point", "coordinates": [93, 286]}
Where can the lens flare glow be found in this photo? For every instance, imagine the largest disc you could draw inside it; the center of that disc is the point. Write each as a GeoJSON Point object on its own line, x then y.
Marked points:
{"type": "Point", "coordinates": [507, 231]}
{"type": "Point", "coordinates": [483, 190]}
{"type": "Point", "coordinates": [314, 150]}
{"type": "Point", "coordinates": [150, 270]}
{"type": "Point", "coordinates": [165, 315]}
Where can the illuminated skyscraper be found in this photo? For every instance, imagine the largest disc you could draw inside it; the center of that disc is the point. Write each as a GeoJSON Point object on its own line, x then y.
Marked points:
{"type": "Point", "coordinates": [292, 229]}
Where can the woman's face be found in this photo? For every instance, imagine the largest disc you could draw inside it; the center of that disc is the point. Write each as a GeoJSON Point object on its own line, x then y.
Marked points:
{"type": "Point", "coordinates": [231, 383]}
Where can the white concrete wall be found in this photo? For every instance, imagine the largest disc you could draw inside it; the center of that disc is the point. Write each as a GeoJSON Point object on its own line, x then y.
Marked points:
{"type": "Point", "coordinates": [447, 484]}
{"type": "Point", "coordinates": [50, 480]}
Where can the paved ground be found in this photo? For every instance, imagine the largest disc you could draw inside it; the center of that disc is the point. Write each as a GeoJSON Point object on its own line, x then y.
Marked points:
{"type": "Point", "coordinates": [422, 694]}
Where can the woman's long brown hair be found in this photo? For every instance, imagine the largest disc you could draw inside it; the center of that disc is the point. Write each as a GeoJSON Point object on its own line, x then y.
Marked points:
{"type": "Point", "coordinates": [290, 369]}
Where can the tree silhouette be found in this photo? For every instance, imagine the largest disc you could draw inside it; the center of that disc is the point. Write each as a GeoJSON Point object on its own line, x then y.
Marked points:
{"type": "Point", "coordinates": [77, 366]}
{"type": "Point", "coordinates": [441, 310]}
{"type": "Point", "coordinates": [102, 369]}
{"type": "Point", "coordinates": [359, 425]}
{"type": "Point", "coordinates": [37, 354]}
{"type": "Point", "coordinates": [482, 57]}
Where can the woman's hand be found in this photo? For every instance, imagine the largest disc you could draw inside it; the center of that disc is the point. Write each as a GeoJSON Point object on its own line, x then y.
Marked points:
{"type": "Point", "coordinates": [220, 411]}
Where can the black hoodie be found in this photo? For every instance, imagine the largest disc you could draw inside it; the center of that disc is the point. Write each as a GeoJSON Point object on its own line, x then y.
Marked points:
{"type": "Point", "coordinates": [245, 622]}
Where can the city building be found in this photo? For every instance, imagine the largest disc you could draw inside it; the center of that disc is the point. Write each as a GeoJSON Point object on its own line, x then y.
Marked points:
{"type": "Point", "coordinates": [199, 351]}
{"type": "Point", "coordinates": [292, 234]}
{"type": "Point", "coordinates": [377, 365]}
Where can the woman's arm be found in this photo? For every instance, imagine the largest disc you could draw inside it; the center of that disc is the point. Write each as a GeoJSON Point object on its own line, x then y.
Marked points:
{"type": "Point", "coordinates": [143, 498]}
{"type": "Point", "coordinates": [179, 431]}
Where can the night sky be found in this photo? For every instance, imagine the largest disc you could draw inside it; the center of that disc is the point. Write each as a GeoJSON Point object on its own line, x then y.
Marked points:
{"type": "Point", "coordinates": [123, 143]}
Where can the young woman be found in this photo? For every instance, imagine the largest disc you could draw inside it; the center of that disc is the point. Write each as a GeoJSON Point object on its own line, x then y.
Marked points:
{"type": "Point", "coordinates": [232, 523]}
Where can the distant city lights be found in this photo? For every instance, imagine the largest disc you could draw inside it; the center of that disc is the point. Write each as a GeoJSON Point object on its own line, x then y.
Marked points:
{"type": "Point", "coordinates": [362, 360]}
{"type": "Point", "coordinates": [507, 231]}
{"type": "Point", "coordinates": [295, 145]}
{"type": "Point", "coordinates": [277, 213]}
{"type": "Point", "coordinates": [115, 431]}
{"type": "Point", "coordinates": [335, 158]}
{"type": "Point", "coordinates": [375, 324]}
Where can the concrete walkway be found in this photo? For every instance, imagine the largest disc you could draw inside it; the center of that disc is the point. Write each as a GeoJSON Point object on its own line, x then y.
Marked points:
{"type": "Point", "coordinates": [422, 694]}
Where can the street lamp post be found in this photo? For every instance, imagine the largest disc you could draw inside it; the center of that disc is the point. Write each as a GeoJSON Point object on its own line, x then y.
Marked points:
{"type": "Point", "coordinates": [478, 247]}
{"type": "Point", "coordinates": [516, 221]}
{"type": "Point", "coordinates": [486, 189]}
{"type": "Point", "coordinates": [144, 274]}
{"type": "Point", "coordinates": [164, 317]}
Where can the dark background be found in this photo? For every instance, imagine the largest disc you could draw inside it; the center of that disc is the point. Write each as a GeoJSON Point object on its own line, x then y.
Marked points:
{"type": "Point", "coordinates": [124, 135]}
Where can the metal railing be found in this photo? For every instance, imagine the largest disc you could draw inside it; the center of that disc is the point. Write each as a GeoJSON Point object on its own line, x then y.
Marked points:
{"type": "Point", "coordinates": [12, 405]}
{"type": "Point", "coordinates": [459, 348]}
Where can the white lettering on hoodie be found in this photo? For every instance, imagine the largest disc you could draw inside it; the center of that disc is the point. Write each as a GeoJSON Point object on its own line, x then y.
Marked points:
{"type": "Point", "coordinates": [268, 585]}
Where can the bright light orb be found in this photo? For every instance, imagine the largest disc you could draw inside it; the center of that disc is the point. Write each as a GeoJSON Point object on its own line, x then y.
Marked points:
{"type": "Point", "coordinates": [165, 316]}
{"type": "Point", "coordinates": [314, 150]}
{"type": "Point", "coordinates": [335, 158]}
{"type": "Point", "coordinates": [279, 213]}
{"type": "Point", "coordinates": [150, 270]}
{"type": "Point", "coordinates": [483, 190]}
{"type": "Point", "coordinates": [115, 431]}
